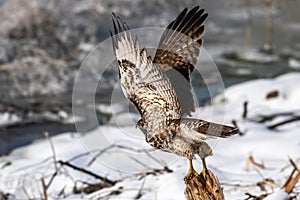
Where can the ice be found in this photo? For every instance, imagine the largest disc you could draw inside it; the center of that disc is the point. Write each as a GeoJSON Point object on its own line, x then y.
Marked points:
{"type": "Point", "coordinates": [7, 118]}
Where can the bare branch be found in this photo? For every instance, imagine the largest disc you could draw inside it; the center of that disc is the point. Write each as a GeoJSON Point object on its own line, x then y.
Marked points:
{"type": "Point", "coordinates": [250, 196]}
{"type": "Point", "coordinates": [83, 154]}
{"type": "Point", "coordinates": [140, 194]}
{"type": "Point", "coordinates": [253, 162]}
{"type": "Point", "coordinates": [236, 126]}
{"type": "Point", "coordinates": [293, 163]}
{"type": "Point", "coordinates": [161, 162]}
{"type": "Point", "coordinates": [139, 162]}
{"type": "Point", "coordinates": [99, 154]}
{"type": "Point", "coordinates": [245, 110]}
{"type": "Point", "coordinates": [91, 187]}
{"type": "Point", "coordinates": [293, 119]}
{"type": "Point", "coordinates": [293, 178]}
{"type": "Point", "coordinates": [52, 178]}
{"type": "Point", "coordinates": [120, 147]}
{"type": "Point", "coordinates": [52, 149]}
{"type": "Point", "coordinates": [26, 193]}
{"type": "Point", "coordinates": [287, 166]}
{"type": "Point", "coordinates": [44, 189]}
{"type": "Point", "coordinates": [87, 172]}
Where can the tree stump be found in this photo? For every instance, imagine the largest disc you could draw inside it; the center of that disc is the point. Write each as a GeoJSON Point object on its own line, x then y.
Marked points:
{"type": "Point", "coordinates": [200, 188]}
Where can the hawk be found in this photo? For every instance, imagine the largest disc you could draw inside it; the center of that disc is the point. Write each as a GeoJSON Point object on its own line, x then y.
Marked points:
{"type": "Point", "coordinates": [163, 99]}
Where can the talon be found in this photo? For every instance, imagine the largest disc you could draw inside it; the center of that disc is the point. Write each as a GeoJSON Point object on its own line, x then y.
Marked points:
{"type": "Point", "coordinates": [191, 173]}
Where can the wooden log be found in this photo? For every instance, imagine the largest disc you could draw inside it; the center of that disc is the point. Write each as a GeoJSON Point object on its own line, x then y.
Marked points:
{"type": "Point", "coordinates": [200, 188]}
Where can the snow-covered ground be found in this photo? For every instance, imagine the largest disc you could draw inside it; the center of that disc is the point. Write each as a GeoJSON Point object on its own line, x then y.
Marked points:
{"type": "Point", "coordinates": [123, 156]}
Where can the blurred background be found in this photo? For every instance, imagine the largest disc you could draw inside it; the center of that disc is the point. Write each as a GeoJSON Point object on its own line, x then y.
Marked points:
{"type": "Point", "coordinates": [44, 42]}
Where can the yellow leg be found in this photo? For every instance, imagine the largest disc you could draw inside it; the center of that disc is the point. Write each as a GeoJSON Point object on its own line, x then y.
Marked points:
{"type": "Point", "coordinates": [191, 173]}
{"type": "Point", "coordinates": [204, 170]}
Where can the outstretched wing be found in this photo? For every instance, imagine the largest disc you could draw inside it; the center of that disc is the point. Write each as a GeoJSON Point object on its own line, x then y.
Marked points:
{"type": "Point", "coordinates": [178, 49]}
{"type": "Point", "coordinates": [143, 82]}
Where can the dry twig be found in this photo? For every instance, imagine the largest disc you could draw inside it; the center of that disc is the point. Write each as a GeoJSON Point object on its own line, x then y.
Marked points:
{"type": "Point", "coordinates": [293, 119]}
{"type": "Point", "coordinates": [44, 189]}
{"type": "Point", "coordinates": [293, 178]}
{"type": "Point", "coordinates": [52, 149]}
{"type": "Point", "coordinates": [236, 126]}
{"type": "Point", "coordinates": [140, 193]}
{"type": "Point", "coordinates": [104, 179]}
{"type": "Point", "coordinates": [245, 112]}
{"type": "Point", "coordinates": [90, 188]}
{"type": "Point", "coordinates": [253, 197]}
{"type": "Point", "coordinates": [251, 160]}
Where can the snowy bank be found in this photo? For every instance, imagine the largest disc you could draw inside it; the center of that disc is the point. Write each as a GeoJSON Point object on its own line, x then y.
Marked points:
{"type": "Point", "coordinates": [255, 163]}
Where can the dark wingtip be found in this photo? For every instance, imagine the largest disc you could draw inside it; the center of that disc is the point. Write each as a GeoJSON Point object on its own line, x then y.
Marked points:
{"type": "Point", "coordinates": [114, 44]}
{"type": "Point", "coordinates": [194, 9]}
{"type": "Point", "coordinates": [110, 33]}
{"type": "Point", "coordinates": [234, 131]}
{"type": "Point", "coordinates": [114, 24]}
{"type": "Point", "coordinates": [115, 20]}
{"type": "Point", "coordinates": [184, 10]}
{"type": "Point", "coordinates": [205, 15]}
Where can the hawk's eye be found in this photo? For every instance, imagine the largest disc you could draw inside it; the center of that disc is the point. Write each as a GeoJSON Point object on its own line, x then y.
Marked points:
{"type": "Point", "coordinates": [125, 65]}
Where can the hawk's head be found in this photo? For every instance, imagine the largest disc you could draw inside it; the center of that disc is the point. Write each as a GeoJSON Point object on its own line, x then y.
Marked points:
{"type": "Point", "coordinates": [140, 125]}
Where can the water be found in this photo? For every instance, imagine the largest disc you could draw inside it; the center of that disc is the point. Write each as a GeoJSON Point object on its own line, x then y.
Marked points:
{"type": "Point", "coordinates": [18, 136]}
{"type": "Point", "coordinates": [12, 137]}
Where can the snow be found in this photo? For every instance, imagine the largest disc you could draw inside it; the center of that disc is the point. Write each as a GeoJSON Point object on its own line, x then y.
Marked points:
{"type": "Point", "coordinates": [278, 195]}
{"type": "Point", "coordinates": [126, 156]}
{"type": "Point", "coordinates": [255, 56]}
{"type": "Point", "coordinates": [109, 109]}
{"type": "Point", "coordinates": [294, 63]}
{"type": "Point", "coordinates": [7, 118]}
{"type": "Point", "coordinates": [125, 119]}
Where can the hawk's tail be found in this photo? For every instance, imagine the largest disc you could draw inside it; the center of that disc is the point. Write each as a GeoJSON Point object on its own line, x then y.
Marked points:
{"type": "Point", "coordinates": [207, 129]}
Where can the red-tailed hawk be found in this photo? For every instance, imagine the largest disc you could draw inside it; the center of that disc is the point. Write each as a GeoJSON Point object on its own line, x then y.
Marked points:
{"type": "Point", "coordinates": [162, 98]}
